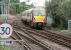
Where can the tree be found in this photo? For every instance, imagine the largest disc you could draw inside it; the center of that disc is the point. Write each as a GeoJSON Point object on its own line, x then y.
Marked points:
{"type": "Point", "coordinates": [0, 8]}
{"type": "Point", "coordinates": [17, 8]}
{"type": "Point", "coordinates": [14, 7]}
{"type": "Point", "coordinates": [24, 7]}
{"type": "Point", "coordinates": [60, 10]}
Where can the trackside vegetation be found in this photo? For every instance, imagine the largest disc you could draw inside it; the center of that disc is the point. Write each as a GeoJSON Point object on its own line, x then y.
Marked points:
{"type": "Point", "coordinates": [60, 11]}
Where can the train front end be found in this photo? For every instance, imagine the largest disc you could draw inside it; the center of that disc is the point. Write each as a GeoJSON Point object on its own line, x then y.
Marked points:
{"type": "Point", "coordinates": [39, 18]}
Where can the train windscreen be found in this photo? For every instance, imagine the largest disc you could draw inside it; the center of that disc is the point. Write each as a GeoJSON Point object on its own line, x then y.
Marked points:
{"type": "Point", "coordinates": [39, 12]}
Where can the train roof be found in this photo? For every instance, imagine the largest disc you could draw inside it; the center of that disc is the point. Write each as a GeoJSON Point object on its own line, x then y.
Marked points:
{"type": "Point", "coordinates": [29, 10]}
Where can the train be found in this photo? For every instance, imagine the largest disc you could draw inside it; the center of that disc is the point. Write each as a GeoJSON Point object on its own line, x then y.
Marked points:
{"type": "Point", "coordinates": [35, 17]}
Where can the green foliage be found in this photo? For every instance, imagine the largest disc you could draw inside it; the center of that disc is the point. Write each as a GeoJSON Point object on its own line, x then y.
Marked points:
{"type": "Point", "coordinates": [0, 9]}
{"type": "Point", "coordinates": [17, 8]}
{"type": "Point", "coordinates": [14, 7]}
{"type": "Point", "coordinates": [60, 10]}
{"type": "Point", "coordinates": [4, 48]}
{"type": "Point", "coordinates": [24, 7]}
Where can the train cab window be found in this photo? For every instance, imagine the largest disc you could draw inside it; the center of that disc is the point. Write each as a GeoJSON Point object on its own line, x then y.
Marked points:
{"type": "Point", "coordinates": [39, 12]}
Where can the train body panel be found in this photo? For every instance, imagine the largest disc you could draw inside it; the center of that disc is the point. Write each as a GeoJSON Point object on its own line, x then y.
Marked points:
{"type": "Point", "coordinates": [39, 18]}
{"type": "Point", "coordinates": [27, 15]}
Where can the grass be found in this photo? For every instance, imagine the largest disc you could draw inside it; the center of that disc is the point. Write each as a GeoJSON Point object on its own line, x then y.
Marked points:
{"type": "Point", "coordinates": [2, 47]}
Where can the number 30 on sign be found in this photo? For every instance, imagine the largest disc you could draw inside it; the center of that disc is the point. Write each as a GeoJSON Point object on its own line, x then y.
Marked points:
{"type": "Point", "coordinates": [5, 30]}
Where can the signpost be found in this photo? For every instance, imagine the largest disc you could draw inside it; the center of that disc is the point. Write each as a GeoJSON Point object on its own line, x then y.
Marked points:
{"type": "Point", "coordinates": [5, 30]}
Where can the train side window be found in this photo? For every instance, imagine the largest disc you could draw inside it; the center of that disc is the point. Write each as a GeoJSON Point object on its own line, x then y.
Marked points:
{"type": "Point", "coordinates": [28, 14]}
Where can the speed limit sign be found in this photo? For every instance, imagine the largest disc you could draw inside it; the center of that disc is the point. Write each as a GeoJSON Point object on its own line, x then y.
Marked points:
{"type": "Point", "coordinates": [5, 30]}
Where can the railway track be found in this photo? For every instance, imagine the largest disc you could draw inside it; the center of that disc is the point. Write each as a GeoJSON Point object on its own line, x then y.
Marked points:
{"type": "Point", "coordinates": [32, 39]}
{"type": "Point", "coordinates": [54, 37]}
{"type": "Point", "coordinates": [62, 40]}
{"type": "Point", "coordinates": [17, 38]}
{"type": "Point", "coordinates": [60, 36]}
{"type": "Point", "coordinates": [22, 42]}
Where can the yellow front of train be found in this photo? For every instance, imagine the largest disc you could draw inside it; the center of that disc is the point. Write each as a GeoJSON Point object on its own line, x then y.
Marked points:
{"type": "Point", "coordinates": [39, 18]}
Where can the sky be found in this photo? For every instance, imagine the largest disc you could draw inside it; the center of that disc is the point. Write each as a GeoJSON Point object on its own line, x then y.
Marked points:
{"type": "Point", "coordinates": [35, 2]}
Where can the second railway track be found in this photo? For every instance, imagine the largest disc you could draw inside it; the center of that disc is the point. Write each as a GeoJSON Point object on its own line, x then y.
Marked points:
{"type": "Point", "coordinates": [23, 42]}
{"type": "Point", "coordinates": [34, 40]}
{"type": "Point", "coordinates": [54, 37]}
{"type": "Point", "coordinates": [31, 38]}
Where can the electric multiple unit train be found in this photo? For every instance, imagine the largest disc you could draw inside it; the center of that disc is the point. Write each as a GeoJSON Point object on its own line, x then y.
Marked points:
{"type": "Point", "coordinates": [35, 17]}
